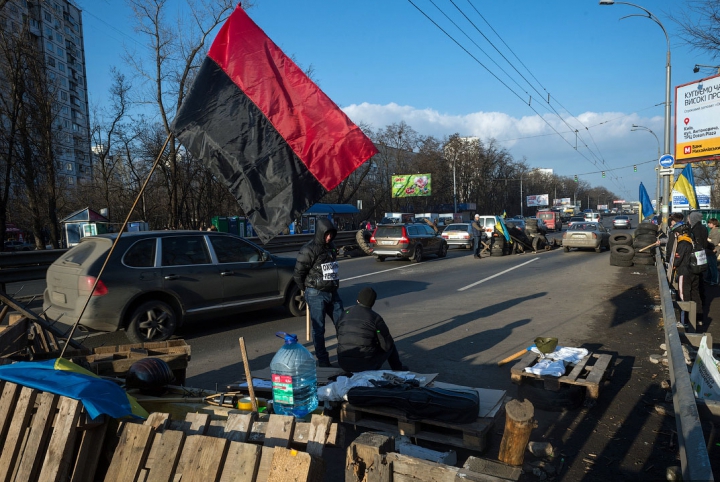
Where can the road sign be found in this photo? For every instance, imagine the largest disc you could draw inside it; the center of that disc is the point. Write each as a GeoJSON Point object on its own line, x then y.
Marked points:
{"type": "Point", "coordinates": [668, 171]}
{"type": "Point", "coordinates": [667, 160]}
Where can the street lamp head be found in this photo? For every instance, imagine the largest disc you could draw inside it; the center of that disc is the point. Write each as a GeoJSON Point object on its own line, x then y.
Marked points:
{"type": "Point", "coordinates": [696, 69]}
{"type": "Point", "coordinates": [607, 2]}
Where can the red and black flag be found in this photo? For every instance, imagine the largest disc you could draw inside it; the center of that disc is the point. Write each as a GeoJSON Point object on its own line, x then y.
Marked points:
{"type": "Point", "coordinates": [265, 129]}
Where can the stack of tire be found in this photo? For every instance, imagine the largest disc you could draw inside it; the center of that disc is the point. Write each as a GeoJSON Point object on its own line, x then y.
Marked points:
{"type": "Point", "coordinates": [497, 248]}
{"type": "Point", "coordinates": [621, 250]}
{"type": "Point", "coordinates": [645, 235]}
{"type": "Point", "coordinates": [539, 241]}
{"type": "Point", "coordinates": [363, 240]}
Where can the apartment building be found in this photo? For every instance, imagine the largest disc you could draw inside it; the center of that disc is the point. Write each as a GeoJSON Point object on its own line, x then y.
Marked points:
{"type": "Point", "coordinates": [57, 27]}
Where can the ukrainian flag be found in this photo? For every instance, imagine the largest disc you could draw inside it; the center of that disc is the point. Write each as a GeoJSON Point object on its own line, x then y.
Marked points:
{"type": "Point", "coordinates": [685, 185]}
{"type": "Point", "coordinates": [646, 208]}
{"type": "Point", "coordinates": [504, 214]}
{"type": "Point", "coordinates": [63, 377]}
{"type": "Point", "coordinates": [500, 226]}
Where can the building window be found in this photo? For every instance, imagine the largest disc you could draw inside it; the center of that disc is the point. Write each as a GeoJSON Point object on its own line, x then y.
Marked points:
{"type": "Point", "coordinates": [48, 17]}
{"type": "Point", "coordinates": [60, 52]}
{"type": "Point", "coordinates": [51, 61]}
{"type": "Point", "coordinates": [66, 124]}
{"type": "Point", "coordinates": [61, 67]}
{"type": "Point", "coordinates": [49, 46]}
{"type": "Point", "coordinates": [70, 180]}
{"type": "Point", "coordinates": [65, 110]}
{"type": "Point", "coordinates": [51, 75]}
{"type": "Point", "coordinates": [69, 167]}
{"type": "Point", "coordinates": [63, 94]}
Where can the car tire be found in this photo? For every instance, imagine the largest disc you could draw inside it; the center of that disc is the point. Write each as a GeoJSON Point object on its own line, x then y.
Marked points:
{"type": "Point", "coordinates": [380, 259]}
{"type": "Point", "coordinates": [443, 250]}
{"type": "Point", "coordinates": [568, 397]}
{"type": "Point", "coordinates": [598, 249]}
{"type": "Point", "coordinates": [295, 302]}
{"type": "Point", "coordinates": [646, 260]}
{"type": "Point", "coordinates": [623, 252]}
{"type": "Point", "coordinates": [364, 246]}
{"type": "Point", "coordinates": [648, 227]}
{"type": "Point", "coordinates": [566, 249]}
{"type": "Point", "coordinates": [625, 263]}
{"type": "Point", "coordinates": [645, 238]}
{"type": "Point", "coordinates": [645, 232]}
{"type": "Point", "coordinates": [621, 239]}
{"type": "Point", "coordinates": [151, 321]}
{"type": "Point", "coordinates": [417, 255]}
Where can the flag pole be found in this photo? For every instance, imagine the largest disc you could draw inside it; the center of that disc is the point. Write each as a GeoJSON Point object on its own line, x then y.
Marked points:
{"type": "Point", "coordinates": [112, 248]}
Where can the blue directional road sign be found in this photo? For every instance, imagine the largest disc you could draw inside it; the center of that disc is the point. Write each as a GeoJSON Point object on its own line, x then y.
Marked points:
{"type": "Point", "coordinates": [667, 160]}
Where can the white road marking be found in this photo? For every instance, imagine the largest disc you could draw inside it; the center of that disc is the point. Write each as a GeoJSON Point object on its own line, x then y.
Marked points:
{"type": "Point", "coordinates": [383, 271]}
{"type": "Point", "coordinates": [496, 275]}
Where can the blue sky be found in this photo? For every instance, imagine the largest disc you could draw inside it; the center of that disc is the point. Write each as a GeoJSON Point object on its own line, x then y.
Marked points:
{"type": "Point", "coordinates": [383, 61]}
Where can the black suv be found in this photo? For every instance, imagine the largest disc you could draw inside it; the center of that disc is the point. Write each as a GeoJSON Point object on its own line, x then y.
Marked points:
{"type": "Point", "coordinates": [407, 241]}
{"type": "Point", "coordinates": [155, 280]}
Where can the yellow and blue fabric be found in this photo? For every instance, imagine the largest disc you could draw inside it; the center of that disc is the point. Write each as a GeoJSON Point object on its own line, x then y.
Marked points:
{"type": "Point", "coordinates": [504, 214]}
{"type": "Point", "coordinates": [500, 226]}
{"type": "Point", "coordinates": [63, 377]}
{"type": "Point", "coordinates": [685, 185]}
{"type": "Point", "coordinates": [646, 207]}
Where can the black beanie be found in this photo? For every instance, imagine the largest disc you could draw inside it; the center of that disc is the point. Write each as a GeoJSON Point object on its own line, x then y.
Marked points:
{"type": "Point", "coordinates": [366, 297]}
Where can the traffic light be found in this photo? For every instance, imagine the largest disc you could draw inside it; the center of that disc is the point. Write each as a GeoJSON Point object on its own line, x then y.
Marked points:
{"type": "Point", "coordinates": [603, 173]}
{"type": "Point", "coordinates": [575, 177]}
{"type": "Point", "coordinates": [635, 168]}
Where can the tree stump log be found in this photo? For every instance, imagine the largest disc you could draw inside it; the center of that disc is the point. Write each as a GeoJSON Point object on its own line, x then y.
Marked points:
{"type": "Point", "coordinates": [519, 423]}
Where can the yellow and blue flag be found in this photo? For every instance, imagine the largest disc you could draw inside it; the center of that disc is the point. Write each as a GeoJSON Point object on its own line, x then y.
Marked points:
{"type": "Point", "coordinates": [500, 226]}
{"type": "Point", "coordinates": [646, 207]}
{"type": "Point", "coordinates": [63, 377]}
{"type": "Point", "coordinates": [685, 185]}
{"type": "Point", "coordinates": [504, 214]}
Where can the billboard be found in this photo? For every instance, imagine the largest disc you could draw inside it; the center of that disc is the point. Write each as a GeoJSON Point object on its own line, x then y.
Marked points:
{"type": "Point", "coordinates": [538, 200]}
{"type": "Point", "coordinates": [680, 202]}
{"type": "Point", "coordinates": [563, 201]}
{"type": "Point", "coordinates": [697, 120]}
{"type": "Point", "coordinates": [410, 185]}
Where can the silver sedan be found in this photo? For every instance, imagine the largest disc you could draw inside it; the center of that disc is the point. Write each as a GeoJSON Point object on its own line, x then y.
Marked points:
{"type": "Point", "coordinates": [586, 235]}
{"type": "Point", "coordinates": [621, 222]}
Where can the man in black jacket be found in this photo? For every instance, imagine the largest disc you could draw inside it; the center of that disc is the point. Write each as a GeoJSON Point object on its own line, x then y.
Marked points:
{"type": "Point", "coordinates": [316, 272]}
{"type": "Point", "coordinates": [364, 341]}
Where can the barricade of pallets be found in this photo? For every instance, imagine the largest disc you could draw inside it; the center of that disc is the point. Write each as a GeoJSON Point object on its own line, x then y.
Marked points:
{"type": "Point", "coordinates": [588, 372]}
{"type": "Point", "coordinates": [200, 449]}
{"type": "Point", "coordinates": [46, 437]}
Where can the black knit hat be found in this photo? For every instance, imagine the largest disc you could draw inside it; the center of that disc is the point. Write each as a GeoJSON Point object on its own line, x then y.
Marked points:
{"type": "Point", "coordinates": [366, 297]}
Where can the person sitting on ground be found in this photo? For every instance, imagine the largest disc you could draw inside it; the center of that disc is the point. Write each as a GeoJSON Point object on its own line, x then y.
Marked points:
{"type": "Point", "coordinates": [363, 339]}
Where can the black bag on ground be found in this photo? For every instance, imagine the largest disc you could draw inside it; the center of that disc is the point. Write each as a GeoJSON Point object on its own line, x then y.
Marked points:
{"type": "Point", "coordinates": [452, 406]}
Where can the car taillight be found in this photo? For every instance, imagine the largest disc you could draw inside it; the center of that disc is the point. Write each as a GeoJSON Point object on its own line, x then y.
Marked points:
{"type": "Point", "coordinates": [404, 238]}
{"type": "Point", "coordinates": [372, 239]}
{"type": "Point", "coordinates": [466, 236]}
{"type": "Point", "coordinates": [594, 235]}
{"type": "Point", "coordinates": [445, 236]}
{"type": "Point", "coordinates": [85, 284]}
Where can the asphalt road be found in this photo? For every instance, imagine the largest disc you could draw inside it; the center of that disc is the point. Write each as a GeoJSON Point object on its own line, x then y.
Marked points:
{"type": "Point", "coordinates": [456, 316]}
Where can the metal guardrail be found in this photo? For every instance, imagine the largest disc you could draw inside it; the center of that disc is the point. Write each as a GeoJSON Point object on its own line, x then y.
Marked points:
{"type": "Point", "coordinates": [21, 266]}
{"type": "Point", "coordinates": [694, 457]}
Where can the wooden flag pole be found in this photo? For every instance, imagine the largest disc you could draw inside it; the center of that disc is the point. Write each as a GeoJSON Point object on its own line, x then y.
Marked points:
{"type": "Point", "coordinates": [248, 375]}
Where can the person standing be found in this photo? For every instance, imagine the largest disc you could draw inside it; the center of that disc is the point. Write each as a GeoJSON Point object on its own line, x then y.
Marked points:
{"type": "Point", "coordinates": [316, 273]}
{"type": "Point", "coordinates": [712, 251]}
{"type": "Point", "coordinates": [364, 340]}
{"type": "Point", "coordinates": [477, 231]}
{"type": "Point", "coordinates": [699, 235]}
{"type": "Point", "coordinates": [688, 282]}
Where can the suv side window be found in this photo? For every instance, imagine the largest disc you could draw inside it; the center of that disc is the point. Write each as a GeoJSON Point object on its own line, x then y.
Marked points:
{"type": "Point", "coordinates": [429, 231]}
{"type": "Point", "coordinates": [184, 250]}
{"type": "Point", "coordinates": [233, 250]}
{"type": "Point", "coordinates": [412, 231]}
{"type": "Point", "coordinates": [141, 254]}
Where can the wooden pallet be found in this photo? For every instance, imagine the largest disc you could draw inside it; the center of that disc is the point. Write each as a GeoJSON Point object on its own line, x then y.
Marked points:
{"type": "Point", "coordinates": [471, 435]}
{"type": "Point", "coordinates": [589, 372]}
{"type": "Point", "coordinates": [46, 437]}
{"type": "Point", "coordinates": [198, 448]}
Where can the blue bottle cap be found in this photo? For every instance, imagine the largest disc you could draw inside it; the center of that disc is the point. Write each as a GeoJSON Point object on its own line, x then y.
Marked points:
{"type": "Point", "coordinates": [290, 339]}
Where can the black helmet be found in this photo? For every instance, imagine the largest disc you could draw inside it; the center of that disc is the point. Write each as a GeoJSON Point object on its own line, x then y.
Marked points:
{"type": "Point", "coordinates": [682, 229]}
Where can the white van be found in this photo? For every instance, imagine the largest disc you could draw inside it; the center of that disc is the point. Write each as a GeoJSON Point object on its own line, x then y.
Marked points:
{"type": "Point", "coordinates": [592, 217]}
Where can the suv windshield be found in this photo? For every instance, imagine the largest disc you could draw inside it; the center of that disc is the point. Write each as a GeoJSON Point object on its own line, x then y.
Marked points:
{"type": "Point", "coordinates": [546, 215]}
{"type": "Point", "coordinates": [388, 231]}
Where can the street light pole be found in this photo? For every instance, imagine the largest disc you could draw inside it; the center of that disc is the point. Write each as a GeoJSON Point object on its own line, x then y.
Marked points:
{"type": "Point", "coordinates": [657, 168]}
{"type": "Point", "coordinates": [454, 190]}
{"type": "Point", "coordinates": [666, 185]}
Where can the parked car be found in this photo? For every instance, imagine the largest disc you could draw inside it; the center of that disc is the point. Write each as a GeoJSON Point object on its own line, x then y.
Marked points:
{"type": "Point", "coordinates": [458, 234]}
{"type": "Point", "coordinates": [18, 246]}
{"type": "Point", "coordinates": [575, 219]}
{"type": "Point", "coordinates": [586, 235]}
{"type": "Point", "coordinates": [592, 217]}
{"type": "Point", "coordinates": [407, 241]}
{"type": "Point", "coordinates": [621, 222]}
{"type": "Point", "coordinates": [156, 280]}
{"type": "Point", "coordinates": [518, 223]}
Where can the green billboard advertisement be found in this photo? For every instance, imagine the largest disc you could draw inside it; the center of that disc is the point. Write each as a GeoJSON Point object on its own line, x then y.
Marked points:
{"type": "Point", "coordinates": [409, 185]}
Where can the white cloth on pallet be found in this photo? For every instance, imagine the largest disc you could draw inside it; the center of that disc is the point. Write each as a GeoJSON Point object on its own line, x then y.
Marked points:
{"type": "Point", "coordinates": [545, 366]}
{"type": "Point", "coordinates": [565, 353]}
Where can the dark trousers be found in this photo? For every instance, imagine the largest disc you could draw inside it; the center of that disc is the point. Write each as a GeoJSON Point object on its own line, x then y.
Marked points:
{"type": "Point", "coordinates": [477, 245]}
{"type": "Point", "coordinates": [322, 303]}
{"type": "Point", "coordinates": [689, 290]}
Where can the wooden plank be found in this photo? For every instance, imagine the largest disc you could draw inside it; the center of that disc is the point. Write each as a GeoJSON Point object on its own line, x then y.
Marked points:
{"type": "Point", "coordinates": [361, 453]}
{"type": "Point", "coordinates": [238, 426]}
{"type": "Point", "coordinates": [289, 465]}
{"type": "Point", "coordinates": [16, 432]}
{"type": "Point", "coordinates": [518, 369]}
{"type": "Point", "coordinates": [195, 424]}
{"type": "Point", "coordinates": [89, 453]}
{"type": "Point", "coordinates": [204, 461]}
{"type": "Point", "coordinates": [130, 453]}
{"type": "Point", "coordinates": [8, 396]}
{"type": "Point", "coordinates": [596, 376]}
{"type": "Point", "coordinates": [576, 371]}
{"type": "Point", "coordinates": [34, 317]}
{"type": "Point", "coordinates": [40, 429]}
{"type": "Point", "coordinates": [492, 467]}
{"type": "Point", "coordinates": [319, 428]}
{"type": "Point", "coordinates": [279, 431]}
{"type": "Point", "coordinates": [167, 452]}
{"type": "Point", "coordinates": [266, 457]}
{"type": "Point", "coordinates": [57, 461]}
{"type": "Point", "coordinates": [242, 463]}
{"type": "Point", "coordinates": [158, 421]}
{"type": "Point", "coordinates": [14, 339]}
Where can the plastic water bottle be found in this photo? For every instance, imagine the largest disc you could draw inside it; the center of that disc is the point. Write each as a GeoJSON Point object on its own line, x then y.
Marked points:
{"type": "Point", "coordinates": [294, 378]}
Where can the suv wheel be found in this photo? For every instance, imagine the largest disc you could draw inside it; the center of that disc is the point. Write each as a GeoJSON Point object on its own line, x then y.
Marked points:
{"type": "Point", "coordinates": [152, 321]}
{"type": "Point", "coordinates": [380, 258]}
{"type": "Point", "coordinates": [417, 255]}
{"type": "Point", "coordinates": [443, 251]}
{"type": "Point", "coordinates": [295, 301]}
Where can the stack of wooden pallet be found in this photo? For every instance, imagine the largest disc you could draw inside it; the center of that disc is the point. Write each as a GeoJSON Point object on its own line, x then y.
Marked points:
{"type": "Point", "coordinates": [201, 449]}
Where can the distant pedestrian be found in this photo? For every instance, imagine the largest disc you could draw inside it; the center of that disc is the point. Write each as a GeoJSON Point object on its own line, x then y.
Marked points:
{"type": "Point", "coordinates": [316, 273]}
{"type": "Point", "coordinates": [477, 231]}
{"type": "Point", "coordinates": [212, 228]}
{"type": "Point", "coordinates": [688, 282]}
{"type": "Point", "coordinates": [699, 235]}
{"type": "Point", "coordinates": [675, 220]}
{"type": "Point", "coordinates": [712, 251]}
